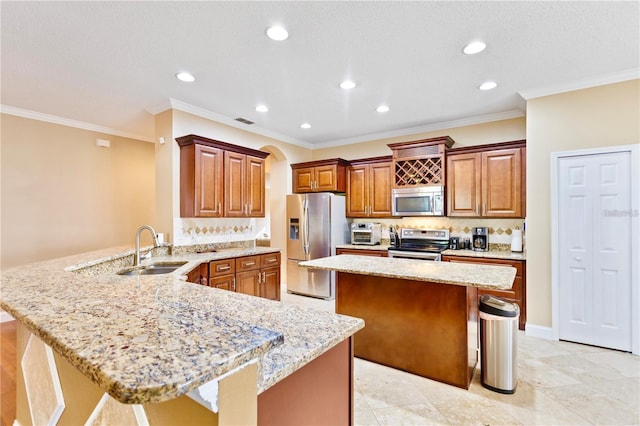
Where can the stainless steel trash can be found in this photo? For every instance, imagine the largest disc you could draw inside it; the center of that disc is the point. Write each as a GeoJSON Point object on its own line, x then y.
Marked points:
{"type": "Point", "coordinates": [498, 344]}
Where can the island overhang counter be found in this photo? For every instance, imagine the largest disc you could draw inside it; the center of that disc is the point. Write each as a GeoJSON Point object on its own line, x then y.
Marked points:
{"type": "Point", "coordinates": [159, 348]}
{"type": "Point", "coordinates": [421, 316]}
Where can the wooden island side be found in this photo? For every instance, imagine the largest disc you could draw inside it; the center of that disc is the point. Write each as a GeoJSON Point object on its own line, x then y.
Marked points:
{"type": "Point", "coordinates": [420, 317]}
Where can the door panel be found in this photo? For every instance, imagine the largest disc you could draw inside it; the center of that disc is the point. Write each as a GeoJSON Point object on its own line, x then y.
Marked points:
{"type": "Point", "coordinates": [295, 227]}
{"type": "Point", "coordinates": [595, 249]}
{"type": "Point", "coordinates": [235, 182]}
{"type": "Point", "coordinates": [313, 282]}
{"type": "Point", "coordinates": [357, 196]}
{"type": "Point", "coordinates": [256, 186]}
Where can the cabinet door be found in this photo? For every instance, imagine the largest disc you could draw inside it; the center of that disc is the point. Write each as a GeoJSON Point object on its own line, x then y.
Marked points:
{"type": "Point", "coordinates": [357, 191]}
{"type": "Point", "coordinates": [380, 189]}
{"type": "Point", "coordinates": [501, 183]}
{"type": "Point", "coordinates": [199, 275]}
{"type": "Point", "coordinates": [464, 184]}
{"type": "Point", "coordinates": [326, 179]}
{"type": "Point", "coordinates": [247, 282]}
{"type": "Point", "coordinates": [255, 187]}
{"type": "Point", "coordinates": [235, 173]}
{"type": "Point", "coordinates": [201, 190]}
{"type": "Point", "coordinates": [270, 283]}
{"type": "Point", "coordinates": [224, 282]}
{"type": "Point", "coordinates": [303, 179]}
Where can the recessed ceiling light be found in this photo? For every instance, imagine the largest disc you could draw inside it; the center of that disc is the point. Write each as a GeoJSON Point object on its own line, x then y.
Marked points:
{"type": "Point", "coordinates": [305, 125]}
{"type": "Point", "coordinates": [474, 47]}
{"type": "Point", "coordinates": [488, 85]}
{"type": "Point", "coordinates": [347, 84]}
{"type": "Point", "coordinates": [186, 77]}
{"type": "Point", "coordinates": [262, 108]}
{"type": "Point", "coordinates": [277, 33]}
{"type": "Point", "coordinates": [382, 108]}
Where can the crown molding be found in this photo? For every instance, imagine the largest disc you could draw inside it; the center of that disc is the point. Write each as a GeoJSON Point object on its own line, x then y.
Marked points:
{"type": "Point", "coordinates": [479, 119]}
{"type": "Point", "coordinates": [34, 115]}
{"type": "Point", "coordinates": [210, 115]}
{"type": "Point", "coordinates": [585, 83]}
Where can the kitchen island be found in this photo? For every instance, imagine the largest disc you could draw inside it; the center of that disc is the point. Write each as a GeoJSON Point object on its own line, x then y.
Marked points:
{"type": "Point", "coordinates": [421, 316]}
{"type": "Point", "coordinates": [95, 346]}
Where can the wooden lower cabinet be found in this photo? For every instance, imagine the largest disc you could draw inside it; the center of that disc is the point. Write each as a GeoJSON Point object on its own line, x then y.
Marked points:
{"type": "Point", "coordinates": [362, 252]}
{"type": "Point", "coordinates": [224, 282]}
{"type": "Point", "coordinates": [517, 293]}
{"type": "Point", "coordinates": [259, 275]}
{"type": "Point", "coordinates": [199, 275]}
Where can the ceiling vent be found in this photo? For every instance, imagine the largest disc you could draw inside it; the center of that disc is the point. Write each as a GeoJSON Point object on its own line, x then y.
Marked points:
{"type": "Point", "coordinates": [244, 120]}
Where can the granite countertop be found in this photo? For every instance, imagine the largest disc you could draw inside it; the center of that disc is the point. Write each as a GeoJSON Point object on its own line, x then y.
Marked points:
{"type": "Point", "coordinates": [491, 254]}
{"type": "Point", "coordinates": [465, 274]}
{"type": "Point", "coordinates": [152, 338]}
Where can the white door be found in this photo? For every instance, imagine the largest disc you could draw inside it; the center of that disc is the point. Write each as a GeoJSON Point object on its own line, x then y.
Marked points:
{"type": "Point", "coordinates": [594, 240]}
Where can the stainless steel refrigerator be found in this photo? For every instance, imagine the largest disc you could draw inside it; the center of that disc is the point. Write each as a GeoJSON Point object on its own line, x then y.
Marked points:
{"type": "Point", "coordinates": [315, 223]}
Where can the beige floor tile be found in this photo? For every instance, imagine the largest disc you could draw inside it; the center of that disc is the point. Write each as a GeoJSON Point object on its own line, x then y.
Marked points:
{"type": "Point", "coordinates": [582, 369]}
{"type": "Point", "coordinates": [594, 405]}
{"type": "Point", "coordinates": [475, 411]}
{"type": "Point", "coordinates": [365, 418]}
{"type": "Point", "coordinates": [626, 391]}
{"type": "Point", "coordinates": [626, 364]}
{"type": "Point", "coordinates": [416, 414]}
{"type": "Point", "coordinates": [540, 375]}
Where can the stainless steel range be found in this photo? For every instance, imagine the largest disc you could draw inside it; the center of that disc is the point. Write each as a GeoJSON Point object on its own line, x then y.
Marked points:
{"type": "Point", "coordinates": [425, 244]}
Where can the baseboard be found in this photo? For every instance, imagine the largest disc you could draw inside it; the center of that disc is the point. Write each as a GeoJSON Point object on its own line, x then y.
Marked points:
{"type": "Point", "coordinates": [5, 317]}
{"type": "Point", "coordinates": [539, 331]}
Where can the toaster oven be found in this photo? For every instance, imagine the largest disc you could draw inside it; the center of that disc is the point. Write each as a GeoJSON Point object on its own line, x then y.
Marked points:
{"type": "Point", "coordinates": [366, 233]}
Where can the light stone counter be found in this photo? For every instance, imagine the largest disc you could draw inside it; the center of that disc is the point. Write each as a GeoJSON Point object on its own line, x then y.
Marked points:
{"type": "Point", "coordinates": [482, 276]}
{"type": "Point", "coordinates": [491, 254]}
{"type": "Point", "coordinates": [152, 338]}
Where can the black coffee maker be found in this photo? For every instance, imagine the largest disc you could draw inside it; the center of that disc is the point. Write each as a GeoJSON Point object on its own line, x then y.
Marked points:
{"type": "Point", "coordinates": [480, 239]}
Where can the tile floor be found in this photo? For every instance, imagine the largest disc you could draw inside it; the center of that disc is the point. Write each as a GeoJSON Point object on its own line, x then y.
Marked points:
{"type": "Point", "coordinates": [560, 383]}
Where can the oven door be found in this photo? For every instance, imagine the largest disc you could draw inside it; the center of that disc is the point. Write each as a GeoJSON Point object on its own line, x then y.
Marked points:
{"type": "Point", "coordinates": [420, 255]}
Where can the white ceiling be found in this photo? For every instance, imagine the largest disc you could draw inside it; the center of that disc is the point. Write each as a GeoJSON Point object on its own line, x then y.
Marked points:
{"type": "Point", "coordinates": [113, 63]}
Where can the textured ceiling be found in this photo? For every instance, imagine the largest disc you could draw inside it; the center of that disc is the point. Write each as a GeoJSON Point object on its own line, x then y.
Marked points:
{"type": "Point", "coordinates": [110, 63]}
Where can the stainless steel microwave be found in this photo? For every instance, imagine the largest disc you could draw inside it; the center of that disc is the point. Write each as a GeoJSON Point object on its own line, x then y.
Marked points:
{"type": "Point", "coordinates": [420, 201]}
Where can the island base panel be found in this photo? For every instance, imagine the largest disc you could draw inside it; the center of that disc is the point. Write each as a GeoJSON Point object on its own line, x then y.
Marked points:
{"type": "Point", "coordinates": [320, 393]}
{"type": "Point", "coordinates": [428, 329]}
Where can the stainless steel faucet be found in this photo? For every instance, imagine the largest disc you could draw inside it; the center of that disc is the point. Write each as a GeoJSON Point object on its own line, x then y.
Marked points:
{"type": "Point", "coordinates": [136, 260]}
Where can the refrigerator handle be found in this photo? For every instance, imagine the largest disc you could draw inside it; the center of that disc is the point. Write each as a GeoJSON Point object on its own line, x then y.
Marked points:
{"type": "Point", "coordinates": [305, 226]}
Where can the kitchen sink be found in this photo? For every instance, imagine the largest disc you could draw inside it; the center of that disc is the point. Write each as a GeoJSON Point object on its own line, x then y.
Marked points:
{"type": "Point", "coordinates": [153, 268]}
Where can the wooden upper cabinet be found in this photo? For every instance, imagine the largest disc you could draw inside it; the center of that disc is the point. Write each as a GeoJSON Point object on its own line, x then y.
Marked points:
{"type": "Point", "coordinates": [464, 185]}
{"type": "Point", "coordinates": [244, 185]}
{"type": "Point", "coordinates": [218, 179]}
{"type": "Point", "coordinates": [487, 181]}
{"type": "Point", "coordinates": [369, 187]}
{"type": "Point", "coordinates": [201, 190]}
{"type": "Point", "coordinates": [502, 183]}
{"type": "Point", "coordinates": [320, 176]}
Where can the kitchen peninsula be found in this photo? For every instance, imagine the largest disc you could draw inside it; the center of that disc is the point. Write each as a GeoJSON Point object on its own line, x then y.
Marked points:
{"type": "Point", "coordinates": [421, 316]}
{"type": "Point", "coordinates": [102, 347]}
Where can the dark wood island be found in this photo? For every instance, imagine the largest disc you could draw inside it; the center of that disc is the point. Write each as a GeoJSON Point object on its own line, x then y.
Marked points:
{"type": "Point", "coordinates": [420, 317]}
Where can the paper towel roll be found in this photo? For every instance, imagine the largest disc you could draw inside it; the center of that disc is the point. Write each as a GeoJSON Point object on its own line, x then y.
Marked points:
{"type": "Point", "coordinates": [516, 240]}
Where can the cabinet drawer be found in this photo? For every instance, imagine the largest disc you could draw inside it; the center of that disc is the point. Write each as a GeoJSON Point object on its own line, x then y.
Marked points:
{"type": "Point", "coordinates": [363, 252]}
{"type": "Point", "coordinates": [268, 260]}
{"type": "Point", "coordinates": [222, 267]}
{"type": "Point", "coordinates": [247, 263]}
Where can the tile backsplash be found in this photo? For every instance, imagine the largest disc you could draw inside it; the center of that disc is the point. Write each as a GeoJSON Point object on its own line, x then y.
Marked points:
{"type": "Point", "coordinates": [192, 231]}
{"type": "Point", "coordinates": [500, 230]}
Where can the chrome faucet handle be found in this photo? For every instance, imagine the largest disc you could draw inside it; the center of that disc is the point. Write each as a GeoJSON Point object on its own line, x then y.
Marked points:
{"type": "Point", "coordinates": [146, 255]}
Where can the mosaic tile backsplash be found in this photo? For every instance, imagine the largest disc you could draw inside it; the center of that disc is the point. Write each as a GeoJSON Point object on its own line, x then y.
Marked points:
{"type": "Point", "coordinates": [500, 230]}
{"type": "Point", "coordinates": [191, 231]}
